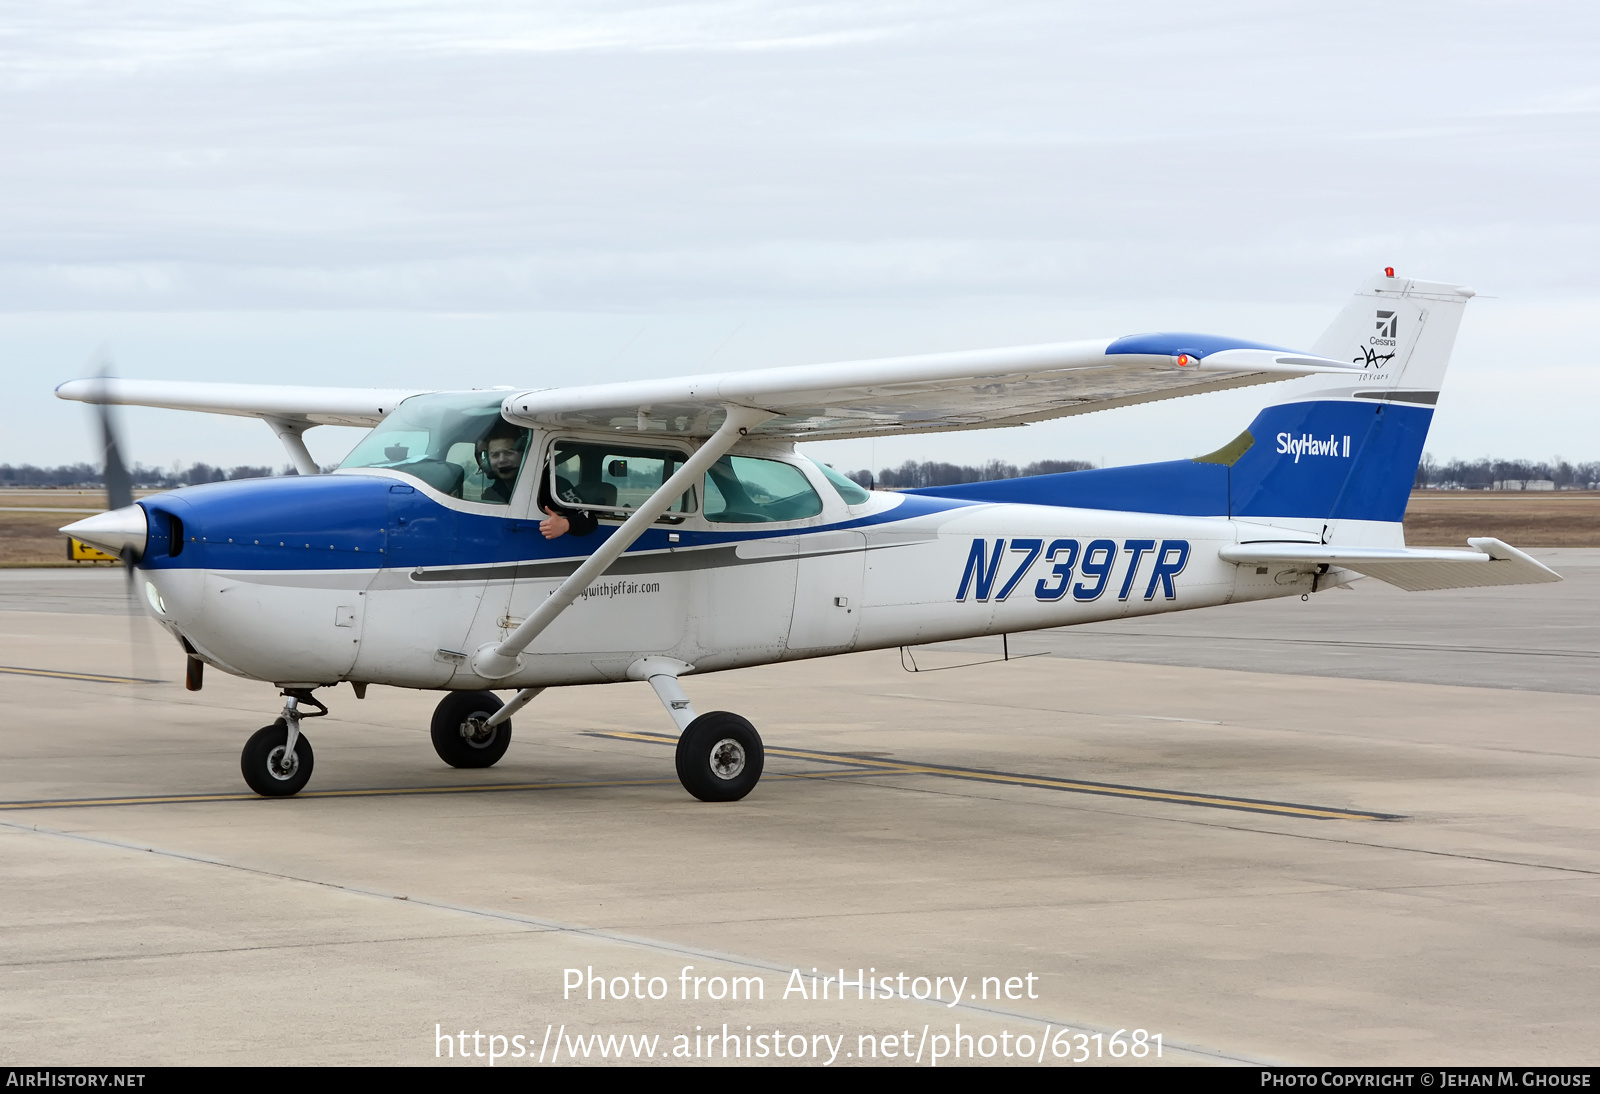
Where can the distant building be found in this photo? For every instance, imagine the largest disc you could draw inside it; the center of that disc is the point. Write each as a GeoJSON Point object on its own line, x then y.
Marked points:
{"type": "Point", "coordinates": [1524, 484]}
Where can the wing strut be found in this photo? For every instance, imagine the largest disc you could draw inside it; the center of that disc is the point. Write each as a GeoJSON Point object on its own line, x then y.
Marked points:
{"type": "Point", "coordinates": [495, 662]}
{"type": "Point", "coordinates": [289, 432]}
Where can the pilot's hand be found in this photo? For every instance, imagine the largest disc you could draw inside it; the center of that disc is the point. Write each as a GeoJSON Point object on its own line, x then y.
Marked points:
{"type": "Point", "coordinates": [555, 526]}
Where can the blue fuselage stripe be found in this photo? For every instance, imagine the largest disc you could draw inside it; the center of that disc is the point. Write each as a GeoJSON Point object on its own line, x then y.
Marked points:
{"type": "Point", "coordinates": [355, 522]}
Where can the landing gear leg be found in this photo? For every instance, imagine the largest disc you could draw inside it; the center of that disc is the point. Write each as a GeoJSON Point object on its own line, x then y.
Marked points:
{"type": "Point", "coordinates": [720, 756]}
{"type": "Point", "coordinates": [277, 759]}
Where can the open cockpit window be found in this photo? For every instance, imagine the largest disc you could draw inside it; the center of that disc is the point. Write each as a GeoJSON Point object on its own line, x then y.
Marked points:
{"type": "Point", "coordinates": [612, 478]}
{"type": "Point", "coordinates": [457, 443]}
{"type": "Point", "coordinates": [746, 490]}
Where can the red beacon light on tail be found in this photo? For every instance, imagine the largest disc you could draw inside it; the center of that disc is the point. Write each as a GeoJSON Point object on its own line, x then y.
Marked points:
{"type": "Point", "coordinates": [1388, 271]}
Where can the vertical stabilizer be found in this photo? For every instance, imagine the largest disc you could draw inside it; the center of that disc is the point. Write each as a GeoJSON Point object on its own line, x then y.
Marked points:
{"type": "Point", "coordinates": [1400, 331]}
{"type": "Point", "coordinates": [1345, 453]}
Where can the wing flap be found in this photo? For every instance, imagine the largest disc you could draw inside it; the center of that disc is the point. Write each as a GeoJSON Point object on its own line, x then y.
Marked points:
{"type": "Point", "coordinates": [1415, 569]}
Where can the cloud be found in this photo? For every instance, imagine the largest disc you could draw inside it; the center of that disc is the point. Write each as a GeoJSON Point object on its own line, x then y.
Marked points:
{"type": "Point", "coordinates": [824, 158]}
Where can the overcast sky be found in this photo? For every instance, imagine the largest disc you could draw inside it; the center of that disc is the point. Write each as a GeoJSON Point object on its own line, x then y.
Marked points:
{"type": "Point", "coordinates": [477, 194]}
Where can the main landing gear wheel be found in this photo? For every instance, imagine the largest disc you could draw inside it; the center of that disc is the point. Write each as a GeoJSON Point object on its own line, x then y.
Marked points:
{"type": "Point", "coordinates": [720, 757]}
{"type": "Point", "coordinates": [267, 770]}
{"type": "Point", "coordinates": [459, 735]}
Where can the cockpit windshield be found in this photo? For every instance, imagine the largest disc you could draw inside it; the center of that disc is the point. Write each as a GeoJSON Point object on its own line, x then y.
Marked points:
{"type": "Point", "coordinates": [457, 443]}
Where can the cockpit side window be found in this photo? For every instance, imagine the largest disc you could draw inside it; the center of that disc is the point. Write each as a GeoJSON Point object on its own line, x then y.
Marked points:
{"type": "Point", "coordinates": [457, 443]}
{"type": "Point", "coordinates": [611, 477]}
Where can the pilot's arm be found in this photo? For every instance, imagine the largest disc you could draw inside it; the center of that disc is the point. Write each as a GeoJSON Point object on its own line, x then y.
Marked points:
{"type": "Point", "coordinates": [559, 519]}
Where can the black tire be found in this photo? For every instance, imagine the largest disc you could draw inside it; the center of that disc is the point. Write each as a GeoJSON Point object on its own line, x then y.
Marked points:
{"type": "Point", "coordinates": [720, 757]}
{"type": "Point", "coordinates": [457, 741]}
{"type": "Point", "coordinates": [263, 766]}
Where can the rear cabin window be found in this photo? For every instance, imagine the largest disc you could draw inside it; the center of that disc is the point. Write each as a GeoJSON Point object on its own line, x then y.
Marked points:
{"type": "Point", "coordinates": [851, 491]}
{"type": "Point", "coordinates": [745, 490]}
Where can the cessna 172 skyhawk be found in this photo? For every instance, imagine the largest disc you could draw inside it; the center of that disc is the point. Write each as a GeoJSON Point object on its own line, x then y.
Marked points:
{"type": "Point", "coordinates": [711, 544]}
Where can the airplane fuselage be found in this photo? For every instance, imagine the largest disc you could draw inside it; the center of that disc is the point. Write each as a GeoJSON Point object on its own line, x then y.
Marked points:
{"type": "Point", "coordinates": [376, 578]}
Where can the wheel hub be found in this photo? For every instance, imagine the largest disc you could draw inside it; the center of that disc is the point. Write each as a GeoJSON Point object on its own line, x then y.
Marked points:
{"type": "Point", "coordinates": [727, 758]}
{"type": "Point", "coordinates": [282, 767]}
{"type": "Point", "coordinates": [475, 733]}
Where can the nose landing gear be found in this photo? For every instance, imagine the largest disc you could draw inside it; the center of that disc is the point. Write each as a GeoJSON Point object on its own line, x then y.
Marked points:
{"type": "Point", "coordinates": [277, 759]}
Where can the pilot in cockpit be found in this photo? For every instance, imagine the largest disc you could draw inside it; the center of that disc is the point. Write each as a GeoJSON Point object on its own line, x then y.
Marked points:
{"type": "Point", "coordinates": [501, 454]}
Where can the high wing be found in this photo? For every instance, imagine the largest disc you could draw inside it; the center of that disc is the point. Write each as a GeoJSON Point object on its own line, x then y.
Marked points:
{"type": "Point", "coordinates": [977, 389]}
{"type": "Point", "coordinates": [974, 389]}
{"type": "Point", "coordinates": [304, 406]}
{"type": "Point", "coordinates": [290, 411]}
{"type": "Point", "coordinates": [1414, 569]}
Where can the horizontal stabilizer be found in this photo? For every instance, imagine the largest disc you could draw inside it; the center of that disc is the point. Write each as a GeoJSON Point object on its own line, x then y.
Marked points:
{"type": "Point", "coordinates": [1414, 569]}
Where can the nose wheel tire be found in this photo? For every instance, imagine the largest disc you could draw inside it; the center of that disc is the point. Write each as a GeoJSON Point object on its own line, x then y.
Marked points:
{"type": "Point", "coordinates": [720, 757]}
{"type": "Point", "coordinates": [267, 770]}
{"type": "Point", "coordinates": [459, 735]}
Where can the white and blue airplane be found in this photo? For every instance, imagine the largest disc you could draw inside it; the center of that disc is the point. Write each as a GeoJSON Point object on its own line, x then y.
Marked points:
{"type": "Point", "coordinates": [656, 529]}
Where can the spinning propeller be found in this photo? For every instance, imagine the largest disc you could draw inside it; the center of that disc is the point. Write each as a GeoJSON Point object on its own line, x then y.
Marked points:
{"type": "Point", "coordinates": [123, 529]}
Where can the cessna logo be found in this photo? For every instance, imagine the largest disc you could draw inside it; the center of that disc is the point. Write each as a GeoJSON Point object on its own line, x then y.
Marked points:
{"type": "Point", "coordinates": [1307, 445]}
{"type": "Point", "coordinates": [1373, 355]}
